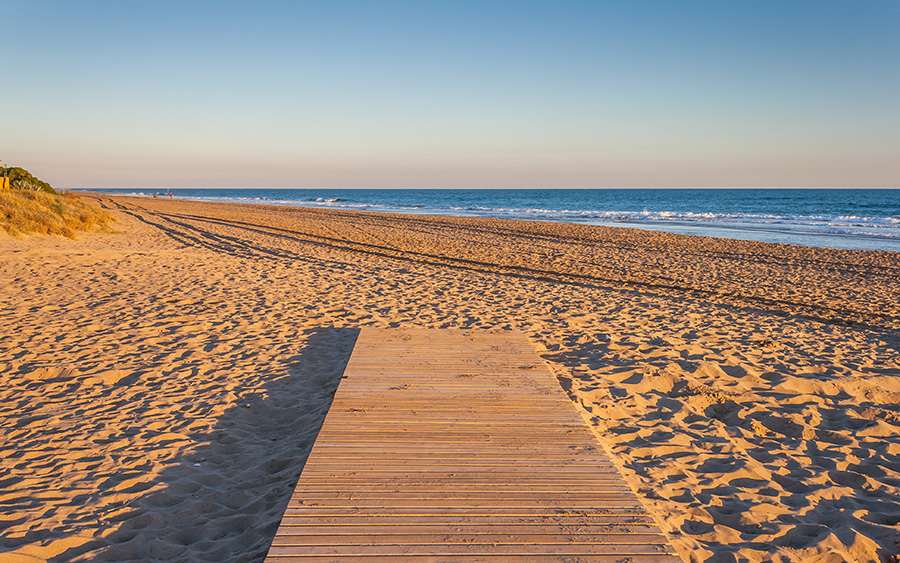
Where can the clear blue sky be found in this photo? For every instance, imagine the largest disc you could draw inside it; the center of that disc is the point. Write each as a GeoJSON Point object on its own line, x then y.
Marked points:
{"type": "Point", "coordinates": [452, 93]}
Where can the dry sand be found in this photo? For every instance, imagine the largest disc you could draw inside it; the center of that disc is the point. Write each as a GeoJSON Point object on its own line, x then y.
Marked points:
{"type": "Point", "coordinates": [162, 386]}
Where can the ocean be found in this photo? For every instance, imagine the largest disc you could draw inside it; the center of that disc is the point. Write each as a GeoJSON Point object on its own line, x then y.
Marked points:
{"type": "Point", "coordinates": [867, 219]}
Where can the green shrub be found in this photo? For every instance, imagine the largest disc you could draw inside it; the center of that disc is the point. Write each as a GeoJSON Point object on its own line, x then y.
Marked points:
{"type": "Point", "coordinates": [21, 179]}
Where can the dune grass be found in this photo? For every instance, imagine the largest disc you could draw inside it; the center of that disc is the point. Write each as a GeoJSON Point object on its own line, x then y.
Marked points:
{"type": "Point", "coordinates": [31, 211]}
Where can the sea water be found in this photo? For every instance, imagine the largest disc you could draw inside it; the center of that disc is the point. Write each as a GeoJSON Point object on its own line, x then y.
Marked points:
{"type": "Point", "coordinates": [836, 218]}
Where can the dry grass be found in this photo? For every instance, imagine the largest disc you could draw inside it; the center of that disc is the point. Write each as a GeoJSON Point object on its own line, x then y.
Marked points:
{"type": "Point", "coordinates": [30, 211]}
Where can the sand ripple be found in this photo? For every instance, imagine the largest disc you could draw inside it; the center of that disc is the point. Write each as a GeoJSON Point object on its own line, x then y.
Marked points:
{"type": "Point", "coordinates": [161, 387]}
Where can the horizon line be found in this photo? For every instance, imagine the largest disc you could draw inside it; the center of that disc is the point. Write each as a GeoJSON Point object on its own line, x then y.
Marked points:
{"type": "Point", "coordinates": [487, 188]}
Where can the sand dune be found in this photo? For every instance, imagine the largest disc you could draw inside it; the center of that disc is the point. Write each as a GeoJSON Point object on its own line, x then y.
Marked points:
{"type": "Point", "coordinates": [162, 386]}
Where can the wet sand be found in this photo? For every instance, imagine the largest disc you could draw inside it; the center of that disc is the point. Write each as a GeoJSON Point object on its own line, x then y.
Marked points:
{"type": "Point", "coordinates": [162, 386]}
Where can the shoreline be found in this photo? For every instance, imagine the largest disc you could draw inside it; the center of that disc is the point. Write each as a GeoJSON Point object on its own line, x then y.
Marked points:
{"type": "Point", "coordinates": [812, 230]}
{"type": "Point", "coordinates": [163, 384]}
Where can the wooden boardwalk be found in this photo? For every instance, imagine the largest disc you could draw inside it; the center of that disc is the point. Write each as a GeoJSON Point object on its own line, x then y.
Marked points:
{"type": "Point", "coordinates": [450, 445]}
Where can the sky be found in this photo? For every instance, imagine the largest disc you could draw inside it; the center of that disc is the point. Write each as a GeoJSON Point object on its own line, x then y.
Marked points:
{"type": "Point", "coordinates": [452, 93]}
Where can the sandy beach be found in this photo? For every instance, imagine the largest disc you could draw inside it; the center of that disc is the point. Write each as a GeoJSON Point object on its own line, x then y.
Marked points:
{"type": "Point", "coordinates": [162, 386]}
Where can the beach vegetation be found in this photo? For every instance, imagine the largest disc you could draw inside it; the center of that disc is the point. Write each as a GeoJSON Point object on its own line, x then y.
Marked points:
{"type": "Point", "coordinates": [21, 179]}
{"type": "Point", "coordinates": [26, 211]}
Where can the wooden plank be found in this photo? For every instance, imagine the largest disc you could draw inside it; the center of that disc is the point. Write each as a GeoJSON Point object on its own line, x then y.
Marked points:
{"type": "Point", "coordinates": [520, 516]}
{"type": "Point", "coordinates": [450, 445]}
{"type": "Point", "coordinates": [487, 520]}
{"type": "Point", "coordinates": [600, 551]}
{"type": "Point", "coordinates": [371, 528]}
{"type": "Point", "coordinates": [497, 557]}
{"type": "Point", "coordinates": [432, 537]}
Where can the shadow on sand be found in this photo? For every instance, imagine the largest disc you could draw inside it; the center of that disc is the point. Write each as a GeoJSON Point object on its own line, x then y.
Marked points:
{"type": "Point", "coordinates": [223, 500]}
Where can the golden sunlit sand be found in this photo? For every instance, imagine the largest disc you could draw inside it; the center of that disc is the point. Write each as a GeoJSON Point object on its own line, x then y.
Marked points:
{"type": "Point", "coordinates": [162, 386]}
